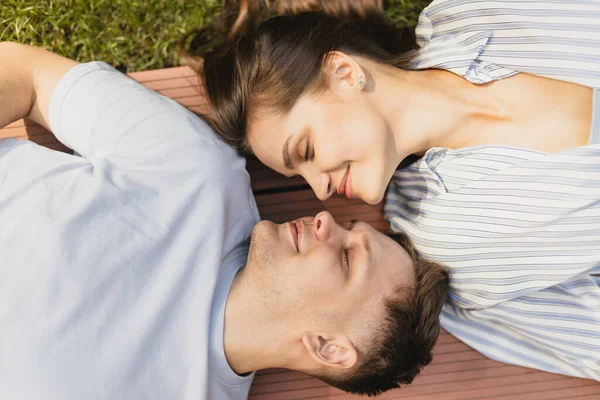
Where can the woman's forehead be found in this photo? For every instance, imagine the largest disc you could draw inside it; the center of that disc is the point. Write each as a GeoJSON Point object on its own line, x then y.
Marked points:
{"type": "Point", "coordinates": [267, 136]}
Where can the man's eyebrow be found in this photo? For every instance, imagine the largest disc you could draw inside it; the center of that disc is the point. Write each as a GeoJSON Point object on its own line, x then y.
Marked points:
{"type": "Point", "coordinates": [367, 245]}
{"type": "Point", "coordinates": [287, 160]}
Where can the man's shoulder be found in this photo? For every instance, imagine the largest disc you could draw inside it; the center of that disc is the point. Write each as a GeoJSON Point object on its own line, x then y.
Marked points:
{"type": "Point", "coordinates": [240, 212]}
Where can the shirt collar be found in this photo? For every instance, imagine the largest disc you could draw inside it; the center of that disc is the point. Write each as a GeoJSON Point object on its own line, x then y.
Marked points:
{"type": "Point", "coordinates": [459, 54]}
{"type": "Point", "coordinates": [219, 367]}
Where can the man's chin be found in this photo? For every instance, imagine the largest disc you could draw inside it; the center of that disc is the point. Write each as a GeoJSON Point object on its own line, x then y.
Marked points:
{"type": "Point", "coordinates": [263, 228]}
{"type": "Point", "coordinates": [263, 239]}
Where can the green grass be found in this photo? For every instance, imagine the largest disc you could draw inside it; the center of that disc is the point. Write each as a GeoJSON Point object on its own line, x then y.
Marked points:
{"type": "Point", "coordinates": [131, 35]}
{"type": "Point", "coordinates": [405, 13]}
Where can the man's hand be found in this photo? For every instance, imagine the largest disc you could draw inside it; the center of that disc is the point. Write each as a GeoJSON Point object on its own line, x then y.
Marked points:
{"type": "Point", "coordinates": [28, 77]}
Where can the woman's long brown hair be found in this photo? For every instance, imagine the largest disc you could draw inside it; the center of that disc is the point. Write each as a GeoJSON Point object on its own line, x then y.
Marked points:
{"type": "Point", "coordinates": [252, 12]}
{"type": "Point", "coordinates": [266, 63]}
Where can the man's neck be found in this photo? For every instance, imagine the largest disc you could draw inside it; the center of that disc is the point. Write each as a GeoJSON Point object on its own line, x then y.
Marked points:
{"type": "Point", "coordinates": [248, 336]}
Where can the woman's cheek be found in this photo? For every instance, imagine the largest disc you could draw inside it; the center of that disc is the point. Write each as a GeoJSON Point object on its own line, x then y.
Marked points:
{"type": "Point", "coordinates": [376, 180]}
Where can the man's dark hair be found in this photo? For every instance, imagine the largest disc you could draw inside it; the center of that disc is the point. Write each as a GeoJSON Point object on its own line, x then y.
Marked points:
{"type": "Point", "coordinates": [404, 340]}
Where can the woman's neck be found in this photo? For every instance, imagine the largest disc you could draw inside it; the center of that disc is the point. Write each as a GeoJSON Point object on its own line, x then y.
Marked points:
{"type": "Point", "coordinates": [435, 108]}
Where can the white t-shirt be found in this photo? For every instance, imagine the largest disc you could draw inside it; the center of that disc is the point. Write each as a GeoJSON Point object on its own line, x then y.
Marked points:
{"type": "Point", "coordinates": [109, 262]}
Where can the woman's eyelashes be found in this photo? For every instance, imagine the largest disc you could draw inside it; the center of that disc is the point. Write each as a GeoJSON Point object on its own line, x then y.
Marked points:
{"type": "Point", "coordinates": [307, 151]}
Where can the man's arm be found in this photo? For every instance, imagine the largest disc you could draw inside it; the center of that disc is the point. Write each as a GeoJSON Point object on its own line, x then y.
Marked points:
{"type": "Point", "coordinates": [28, 76]}
{"type": "Point", "coordinates": [96, 110]}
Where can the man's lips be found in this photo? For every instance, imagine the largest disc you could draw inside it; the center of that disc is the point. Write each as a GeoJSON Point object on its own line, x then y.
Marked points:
{"type": "Point", "coordinates": [345, 187]}
{"type": "Point", "coordinates": [294, 233]}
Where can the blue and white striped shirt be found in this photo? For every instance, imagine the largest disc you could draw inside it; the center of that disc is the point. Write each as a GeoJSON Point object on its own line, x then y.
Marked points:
{"type": "Point", "coordinates": [520, 229]}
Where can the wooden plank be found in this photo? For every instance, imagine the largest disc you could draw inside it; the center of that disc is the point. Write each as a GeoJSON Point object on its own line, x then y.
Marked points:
{"type": "Point", "coordinates": [588, 391]}
{"type": "Point", "coordinates": [162, 74]}
{"type": "Point", "coordinates": [518, 386]}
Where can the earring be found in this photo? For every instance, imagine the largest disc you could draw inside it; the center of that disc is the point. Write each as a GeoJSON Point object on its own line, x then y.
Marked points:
{"type": "Point", "coordinates": [360, 83]}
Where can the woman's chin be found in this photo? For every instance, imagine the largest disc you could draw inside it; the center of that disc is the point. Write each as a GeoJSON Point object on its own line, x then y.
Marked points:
{"type": "Point", "coordinates": [376, 198]}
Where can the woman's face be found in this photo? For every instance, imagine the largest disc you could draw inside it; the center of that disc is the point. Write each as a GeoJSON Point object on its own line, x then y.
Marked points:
{"type": "Point", "coordinates": [337, 140]}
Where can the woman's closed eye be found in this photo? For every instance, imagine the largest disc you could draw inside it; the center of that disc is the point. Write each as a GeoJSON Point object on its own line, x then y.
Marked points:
{"type": "Point", "coordinates": [307, 151]}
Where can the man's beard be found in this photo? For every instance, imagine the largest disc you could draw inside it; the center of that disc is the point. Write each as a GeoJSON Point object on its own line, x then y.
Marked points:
{"type": "Point", "coordinates": [262, 249]}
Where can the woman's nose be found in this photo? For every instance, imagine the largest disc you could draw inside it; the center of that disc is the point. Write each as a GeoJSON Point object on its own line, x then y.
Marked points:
{"type": "Point", "coordinates": [322, 186]}
{"type": "Point", "coordinates": [323, 225]}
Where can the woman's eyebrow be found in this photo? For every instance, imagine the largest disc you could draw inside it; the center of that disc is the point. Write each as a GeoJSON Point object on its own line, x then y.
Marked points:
{"type": "Point", "coordinates": [285, 153]}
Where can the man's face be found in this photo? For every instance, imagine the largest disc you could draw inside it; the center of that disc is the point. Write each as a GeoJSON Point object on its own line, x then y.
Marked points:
{"type": "Point", "coordinates": [317, 275]}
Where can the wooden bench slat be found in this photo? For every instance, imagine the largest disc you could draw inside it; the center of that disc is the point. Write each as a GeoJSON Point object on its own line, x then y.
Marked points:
{"type": "Point", "coordinates": [162, 74]}
{"type": "Point", "coordinates": [182, 92]}
{"type": "Point", "coordinates": [162, 85]}
{"type": "Point", "coordinates": [590, 391]}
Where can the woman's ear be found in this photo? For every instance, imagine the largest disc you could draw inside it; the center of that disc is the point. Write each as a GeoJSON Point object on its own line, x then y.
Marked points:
{"type": "Point", "coordinates": [343, 73]}
{"type": "Point", "coordinates": [330, 351]}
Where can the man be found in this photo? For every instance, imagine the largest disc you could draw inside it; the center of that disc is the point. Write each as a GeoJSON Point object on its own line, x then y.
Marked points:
{"type": "Point", "coordinates": [123, 272]}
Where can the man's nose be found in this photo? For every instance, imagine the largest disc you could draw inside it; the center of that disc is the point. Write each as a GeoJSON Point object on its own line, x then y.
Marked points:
{"type": "Point", "coordinates": [323, 224]}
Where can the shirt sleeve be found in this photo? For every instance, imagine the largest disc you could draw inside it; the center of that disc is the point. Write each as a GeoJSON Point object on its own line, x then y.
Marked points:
{"type": "Point", "coordinates": [105, 116]}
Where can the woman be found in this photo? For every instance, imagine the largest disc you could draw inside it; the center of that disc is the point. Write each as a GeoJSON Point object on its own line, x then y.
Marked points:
{"type": "Point", "coordinates": [516, 220]}
{"type": "Point", "coordinates": [386, 105]}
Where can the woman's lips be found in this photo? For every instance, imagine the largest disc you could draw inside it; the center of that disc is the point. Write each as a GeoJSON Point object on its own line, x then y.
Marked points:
{"type": "Point", "coordinates": [349, 185]}
{"type": "Point", "coordinates": [345, 187]}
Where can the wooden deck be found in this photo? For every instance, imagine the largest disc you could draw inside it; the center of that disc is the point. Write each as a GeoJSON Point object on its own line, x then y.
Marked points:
{"type": "Point", "coordinates": [457, 372]}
